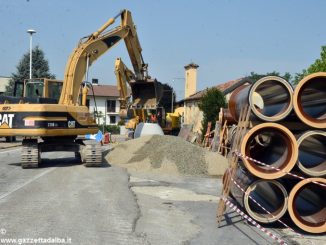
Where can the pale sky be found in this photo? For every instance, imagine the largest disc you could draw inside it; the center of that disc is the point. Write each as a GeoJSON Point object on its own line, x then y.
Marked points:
{"type": "Point", "coordinates": [227, 38]}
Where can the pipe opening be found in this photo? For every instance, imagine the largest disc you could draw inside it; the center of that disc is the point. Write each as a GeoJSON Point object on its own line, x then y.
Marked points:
{"type": "Point", "coordinates": [312, 99]}
{"type": "Point", "coordinates": [309, 205]}
{"type": "Point", "coordinates": [312, 154]}
{"type": "Point", "coordinates": [269, 194]}
{"type": "Point", "coordinates": [271, 98]}
{"type": "Point", "coordinates": [271, 146]}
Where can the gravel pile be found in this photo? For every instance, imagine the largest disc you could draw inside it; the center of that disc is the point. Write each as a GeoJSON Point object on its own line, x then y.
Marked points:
{"type": "Point", "coordinates": [163, 153]}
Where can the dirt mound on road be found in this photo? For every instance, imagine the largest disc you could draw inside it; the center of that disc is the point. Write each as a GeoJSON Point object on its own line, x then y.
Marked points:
{"type": "Point", "coordinates": [167, 154]}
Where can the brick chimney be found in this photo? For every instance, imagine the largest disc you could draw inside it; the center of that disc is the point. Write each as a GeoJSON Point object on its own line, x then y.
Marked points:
{"type": "Point", "coordinates": [190, 79]}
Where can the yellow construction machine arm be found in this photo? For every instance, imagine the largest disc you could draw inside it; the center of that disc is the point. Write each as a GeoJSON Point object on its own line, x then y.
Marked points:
{"type": "Point", "coordinates": [92, 47]}
{"type": "Point", "coordinates": [124, 76]}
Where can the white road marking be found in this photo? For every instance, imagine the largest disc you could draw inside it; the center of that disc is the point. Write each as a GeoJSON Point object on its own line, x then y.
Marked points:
{"type": "Point", "coordinates": [27, 182]}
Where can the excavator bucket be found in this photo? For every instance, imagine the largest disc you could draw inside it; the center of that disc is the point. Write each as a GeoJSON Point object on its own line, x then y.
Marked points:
{"type": "Point", "coordinates": [146, 93]}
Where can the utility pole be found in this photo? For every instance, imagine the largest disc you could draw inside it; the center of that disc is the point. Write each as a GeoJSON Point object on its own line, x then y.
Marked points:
{"type": "Point", "coordinates": [31, 32]}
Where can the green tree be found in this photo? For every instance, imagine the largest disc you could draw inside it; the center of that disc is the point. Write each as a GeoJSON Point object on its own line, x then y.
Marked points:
{"type": "Point", "coordinates": [40, 69]}
{"type": "Point", "coordinates": [255, 76]}
{"type": "Point", "coordinates": [210, 105]}
{"type": "Point", "coordinates": [167, 99]}
{"type": "Point", "coordinates": [317, 66]}
{"type": "Point", "coordinates": [299, 76]}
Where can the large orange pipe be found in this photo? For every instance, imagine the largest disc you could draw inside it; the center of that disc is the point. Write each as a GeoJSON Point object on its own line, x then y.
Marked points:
{"type": "Point", "coordinates": [225, 115]}
{"type": "Point", "coordinates": [312, 153]}
{"type": "Point", "coordinates": [270, 99]}
{"type": "Point", "coordinates": [307, 205]}
{"type": "Point", "coordinates": [272, 144]}
{"type": "Point", "coordinates": [309, 100]}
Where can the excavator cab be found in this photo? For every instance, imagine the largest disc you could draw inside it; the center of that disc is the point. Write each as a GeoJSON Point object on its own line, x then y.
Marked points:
{"type": "Point", "coordinates": [42, 88]}
{"type": "Point", "coordinates": [36, 90]}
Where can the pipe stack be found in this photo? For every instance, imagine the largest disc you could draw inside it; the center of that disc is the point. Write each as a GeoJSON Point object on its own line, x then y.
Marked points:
{"type": "Point", "coordinates": [284, 166]}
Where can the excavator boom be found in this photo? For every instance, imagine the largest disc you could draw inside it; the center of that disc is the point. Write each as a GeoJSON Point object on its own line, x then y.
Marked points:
{"type": "Point", "coordinates": [95, 45]}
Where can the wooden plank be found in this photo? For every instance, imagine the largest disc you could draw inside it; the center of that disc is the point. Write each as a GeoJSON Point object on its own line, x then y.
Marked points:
{"type": "Point", "coordinates": [221, 143]}
{"type": "Point", "coordinates": [214, 144]}
{"type": "Point", "coordinates": [241, 130]}
{"type": "Point", "coordinates": [207, 135]}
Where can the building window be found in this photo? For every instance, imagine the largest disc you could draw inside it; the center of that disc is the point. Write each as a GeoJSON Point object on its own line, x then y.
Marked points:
{"type": "Point", "coordinates": [112, 120]}
{"type": "Point", "coordinates": [110, 105]}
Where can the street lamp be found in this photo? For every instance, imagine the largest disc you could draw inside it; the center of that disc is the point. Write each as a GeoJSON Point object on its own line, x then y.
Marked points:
{"type": "Point", "coordinates": [31, 32]}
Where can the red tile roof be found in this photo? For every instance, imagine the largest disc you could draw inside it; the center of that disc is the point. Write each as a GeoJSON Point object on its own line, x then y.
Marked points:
{"type": "Point", "coordinates": [225, 88]}
{"type": "Point", "coordinates": [104, 91]}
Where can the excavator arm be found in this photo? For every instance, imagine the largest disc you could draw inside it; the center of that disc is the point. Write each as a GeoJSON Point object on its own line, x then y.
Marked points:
{"type": "Point", "coordinates": [124, 76]}
{"type": "Point", "coordinates": [95, 45]}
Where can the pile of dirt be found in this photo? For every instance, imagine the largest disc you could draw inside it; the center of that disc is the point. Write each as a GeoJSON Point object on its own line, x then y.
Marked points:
{"type": "Point", "coordinates": [168, 154]}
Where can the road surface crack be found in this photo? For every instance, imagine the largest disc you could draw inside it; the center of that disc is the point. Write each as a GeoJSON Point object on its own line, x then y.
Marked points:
{"type": "Point", "coordinates": [141, 235]}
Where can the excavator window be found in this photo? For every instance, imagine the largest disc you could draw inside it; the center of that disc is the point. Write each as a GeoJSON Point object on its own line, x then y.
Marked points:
{"type": "Point", "coordinates": [34, 89]}
{"type": "Point", "coordinates": [54, 89]}
{"type": "Point", "coordinates": [18, 89]}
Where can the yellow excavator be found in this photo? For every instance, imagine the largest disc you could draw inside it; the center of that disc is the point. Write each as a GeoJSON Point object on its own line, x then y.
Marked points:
{"type": "Point", "coordinates": [145, 93]}
{"type": "Point", "coordinates": [124, 76]}
{"type": "Point", "coordinates": [59, 124]}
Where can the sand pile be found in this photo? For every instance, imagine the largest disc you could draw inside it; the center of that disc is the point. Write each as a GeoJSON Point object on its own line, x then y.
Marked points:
{"type": "Point", "coordinates": [167, 154]}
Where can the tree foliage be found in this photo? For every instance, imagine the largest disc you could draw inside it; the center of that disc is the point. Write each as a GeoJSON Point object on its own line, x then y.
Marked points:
{"type": "Point", "coordinates": [255, 76]}
{"type": "Point", "coordinates": [166, 100]}
{"type": "Point", "coordinates": [210, 105]}
{"type": "Point", "coordinates": [317, 66]}
{"type": "Point", "coordinates": [40, 69]}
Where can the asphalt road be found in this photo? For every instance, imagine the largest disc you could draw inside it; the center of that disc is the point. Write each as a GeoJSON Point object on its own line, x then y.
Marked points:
{"type": "Point", "coordinates": [64, 200]}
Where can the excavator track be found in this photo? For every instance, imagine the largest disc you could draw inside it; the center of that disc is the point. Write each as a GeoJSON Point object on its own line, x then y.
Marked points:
{"type": "Point", "coordinates": [30, 156]}
{"type": "Point", "coordinates": [92, 155]}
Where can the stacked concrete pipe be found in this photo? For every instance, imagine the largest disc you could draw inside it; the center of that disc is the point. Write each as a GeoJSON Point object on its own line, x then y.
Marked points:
{"type": "Point", "coordinates": [271, 194]}
{"type": "Point", "coordinates": [271, 150]}
{"type": "Point", "coordinates": [272, 144]}
{"type": "Point", "coordinates": [270, 99]}
{"type": "Point", "coordinates": [312, 153]}
{"type": "Point", "coordinates": [307, 205]}
{"type": "Point", "coordinates": [309, 100]}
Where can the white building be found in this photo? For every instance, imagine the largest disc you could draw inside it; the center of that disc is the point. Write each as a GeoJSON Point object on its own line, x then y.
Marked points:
{"type": "Point", "coordinates": [107, 102]}
{"type": "Point", "coordinates": [4, 81]}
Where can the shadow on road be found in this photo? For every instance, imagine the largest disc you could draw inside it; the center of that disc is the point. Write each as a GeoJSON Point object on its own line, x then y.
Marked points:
{"type": "Point", "coordinates": [231, 219]}
{"type": "Point", "coordinates": [62, 162]}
